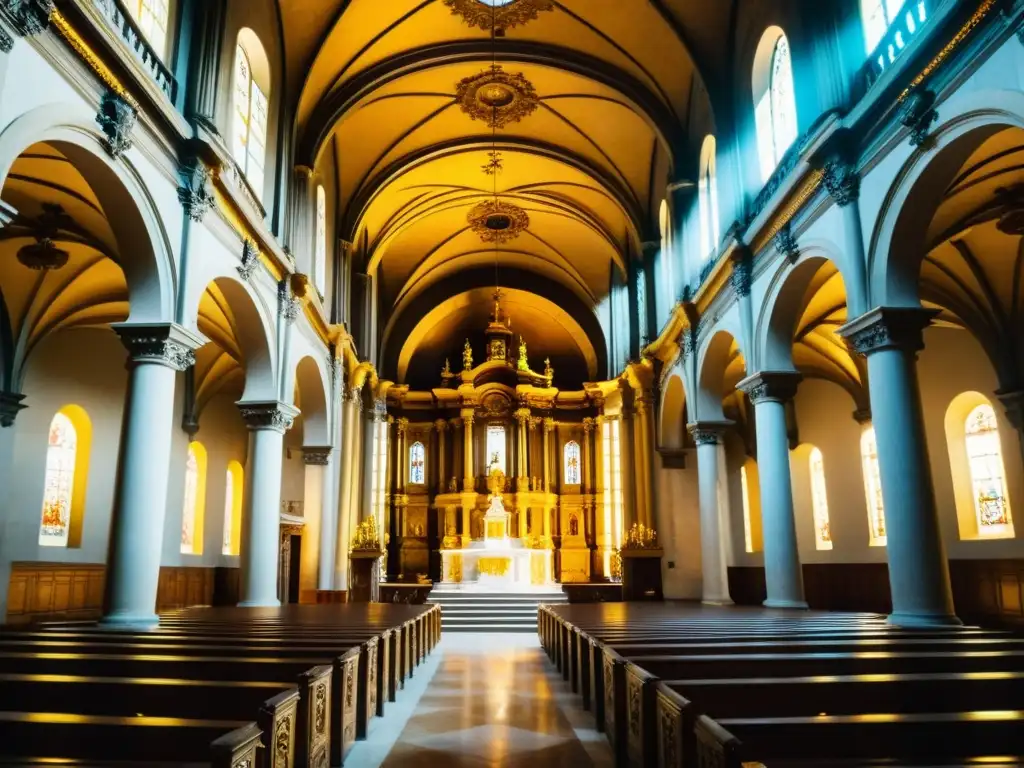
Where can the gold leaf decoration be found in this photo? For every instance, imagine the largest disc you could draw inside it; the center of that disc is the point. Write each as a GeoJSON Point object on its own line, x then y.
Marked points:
{"type": "Point", "coordinates": [496, 221]}
{"type": "Point", "coordinates": [498, 17]}
{"type": "Point", "coordinates": [496, 97]}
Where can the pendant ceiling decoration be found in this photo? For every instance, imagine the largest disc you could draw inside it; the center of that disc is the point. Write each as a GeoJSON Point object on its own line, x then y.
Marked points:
{"type": "Point", "coordinates": [496, 97]}
{"type": "Point", "coordinates": [495, 16]}
{"type": "Point", "coordinates": [496, 221]}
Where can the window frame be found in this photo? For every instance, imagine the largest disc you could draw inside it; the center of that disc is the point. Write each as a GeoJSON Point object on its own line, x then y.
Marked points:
{"type": "Point", "coordinates": [771, 116]}
{"type": "Point", "coordinates": [413, 455]}
{"type": "Point", "coordinates": [251, 158]}
{"type": "Point", "coordinates": [571, 450]}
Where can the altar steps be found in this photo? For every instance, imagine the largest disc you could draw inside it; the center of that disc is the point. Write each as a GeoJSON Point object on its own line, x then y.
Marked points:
{"type": "Point", "coordinates": [471, 611]}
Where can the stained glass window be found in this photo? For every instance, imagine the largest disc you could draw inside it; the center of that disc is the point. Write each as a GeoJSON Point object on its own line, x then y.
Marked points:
{"type": "Point", "coordinates": [748, 530]}
{"type": "Point", "coordinates": [707, 199]}
{"type": "Point", "coordinates": [873, 487]}
{"type": "Point", "coordinates": [320, 267]}
{"type": "Point", "coordinates": [496, 447]}
{"type": "Point", "coordinates": [775, 110]}
{"type": "Point", "coordinates": [988, 482]}
{"type": "Point", "coordinates": [249, 144]}
{"type": "Point", "coordinates": [819, 502]}
{"type": "Point", "coordinates": [571, 455]}
{"type": "Point", "coordinates": [417, 464]}
{"type": "Point", "coordinates": [59, 482]}
{"type": "Point", "coordinates": [188, 517]}
{"type": "Point", "coordinates": [641, 303]}
{"type": "Point", "coordinates": [152, 17]}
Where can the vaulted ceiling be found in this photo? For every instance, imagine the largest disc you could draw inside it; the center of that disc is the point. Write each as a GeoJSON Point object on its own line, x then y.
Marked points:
{"type": "Point", "coordinates": [616, 94]}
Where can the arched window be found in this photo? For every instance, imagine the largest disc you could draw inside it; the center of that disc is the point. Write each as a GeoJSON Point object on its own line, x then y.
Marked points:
{"type": "Point", "coordinates": [67, 464]}
{"type": "Point", "coordinates": [152, 16]}
{"type": "Point", "coordinates": [819, 502]}
{"type": "Point", "coordinates": [194, 502]}
{"type": "Point", "coordinates": [774, 100]}
{"type": "Point", "coordinates": [873, 488]}
{"type": "Point", "coordinates": [571, 463]}
{"type": "Point", "coordinates": [707, 199]}
{"type": "Point", "coordinates": [988, 479]}
{"type": "Point", "coordinates": [417, 464]}
{"type": "Point", "coordinates": [233, 489]}
{"type": "Point", "coordinates": [251, 108]}
{"type": "Point", "coordinates": [320, 254]}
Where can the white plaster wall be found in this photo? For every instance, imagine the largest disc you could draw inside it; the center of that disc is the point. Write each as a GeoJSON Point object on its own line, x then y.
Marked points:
{"type": "Point", "coordinates": [678, 526]}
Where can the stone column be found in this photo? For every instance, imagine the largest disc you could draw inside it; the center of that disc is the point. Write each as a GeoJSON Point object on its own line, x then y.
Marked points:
{"type": "Point", "coordinates": [769, 392]}
{"type": "Point", "coordinates": [456, 427]}
{"type": "Point", "coordinates": [603, 525]}
{"type": "Point", "coordinates": [402, 454]}
{"type": "Point", "coordinates": [644, 423]}
{"type": "Point", "coordinates": [442, 483]}
{"type": "Point", "coordinates": [156, 354]}
{"type": "Point", "coordinates": [350, 424]}
{"type": "Point", "coordinates": [522, 416]}
{"type": "Point", "coordinates": [318, 533]}
{"type": "Point", "coordinates": [842, 181]}
{"type": "Point", "coordinates": [549, 424]}
{"type": "Point", "coordinates": [469, 479]}
{"type": "Point", "coordinates": [531, 443]}
{"type": "Point", "coordinates": [918, 567]}
{"type": "Point", "coordinates": [267, 422]}
{"type": "Point", "coordinates": [587, 485]}
{"type": "Point", "coordinates": [708, 436]}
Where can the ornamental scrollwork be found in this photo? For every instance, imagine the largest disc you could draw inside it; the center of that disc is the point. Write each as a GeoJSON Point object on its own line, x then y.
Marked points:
{"type": "Point", "coordinates": [250, 258]}
{"type": "Point", "coordinates": [496, 97]}
{"type": "Point", "coordinates": [705, 435]}
{"type": "Point", "coordinates": [160, 349]}
{"type": "Point", "coordinates": [785, 243]}
{"type": "Point", "coordinates": [496, 221]}
{"type": "Point", "coordinates": [194, 193]}
{"type": "Point", "coordinates": [282, 743]}
{"type": "Point", "coordinates": [267, 417]}
{"type": "Point", "coordinates": [320, 716]}
{"type": "Point", "coordinates": [842, 181]}
{"type": "Point", "coordinates": [29, 17]}
{"type": "Point", "coordinates": [498, 17]}
{"type": "Point", "coordinates": [116, 118]}
{"type": "Point", "coordinates": [742, 275]}
{"type": "Point", "coordinates": [917, 114]}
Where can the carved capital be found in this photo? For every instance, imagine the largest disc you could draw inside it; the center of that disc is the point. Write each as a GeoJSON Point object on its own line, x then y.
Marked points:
{"type": "Point", "coordinates": [354, 395]}
{"type": "Point", "coordinates": [194, 193]}
{"type": "Point", "coordinates": [10, 406]}
{"type": "Point", "coordinates": [402, 425]}
{"type": "Point", "coordinates": [708, 432]}
{"type": "Point", "coordinates": [29, 17]}
{"type": "Point", "coordinates": [456, 422]}
{"type": "Point", "coordinates": [549, 424]}
{"type": "Point", "coordinates": [522, 415]}
{"type": "Point", "coordinates": [116, 119]}
{"type": "Point", "coordinates": [319, 456]}
{"type": "Point", "coordinates": [468, 416]}
{"type": "Point", "coordinates": [770, 386]}
{"type": "Point", "coordinates": [842, 181]}
{"type": "Point", "coordinates": [166, 344]}
{"type": "Point", "coordinates": [785, 243]}
{"type": "Point", "coordinates": [271, 415]}
{"type": "Point", "coordinates": [588, 425]}
{"type": "Point", "coordinates": [917, 113]}
{"type": "Point", "coordinates": [862, 415]}
{"type": "Point", "coordinates": [887, 328]}
{"type": "Point", "coordinates": [441, 426]}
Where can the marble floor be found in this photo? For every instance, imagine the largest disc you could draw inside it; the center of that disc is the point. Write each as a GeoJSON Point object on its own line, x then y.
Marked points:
{"type": "Point", "coordinates": [484, 701]}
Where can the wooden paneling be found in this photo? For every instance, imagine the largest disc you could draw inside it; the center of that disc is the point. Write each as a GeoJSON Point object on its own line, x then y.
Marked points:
{"type": "Point", "coordinates": [42, 591]}
{"type": "Point", "coordinates": [989, 589]}
{"type": "Point", "coordinates": [593, 593]}
{"type": "Point", "coordinates": [183, 587]}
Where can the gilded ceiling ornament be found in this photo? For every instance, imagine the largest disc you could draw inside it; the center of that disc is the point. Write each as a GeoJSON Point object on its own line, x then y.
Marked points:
{"type": "Point", "coordinates": [494, 164]}
{"type": "Point", "coordinates": [498, 17]}
{"type": "Point", "coordinates": [496, 96]}
{"type": "Point", "coordinates": [497, 221]}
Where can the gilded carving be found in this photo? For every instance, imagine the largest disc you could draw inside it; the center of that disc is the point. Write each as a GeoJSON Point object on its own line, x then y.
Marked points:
{"type": "Point", "coordinates": [667, 726]}
{"type": "Point", "coordinates": [496, 221]}
{"type": "Point", "coordinates": [282, 742]}
{"type": "Point", "coordinates": [498, 17]}
{"type": "Point", "coordinates": [634, 708]}
{"type": "Point", "coordinates": [350, 689]}
{"type": "Point", "coordinates": [496, 97]}
{"type": "Point", "coordinates": [320, 711]}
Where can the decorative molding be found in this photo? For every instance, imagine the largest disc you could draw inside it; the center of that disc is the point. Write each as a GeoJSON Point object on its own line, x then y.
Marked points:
{"type": "Point", "coordinates": [786, 244]}
{"type": "Point", "coordinates": [10, 406]}
{"type": "Point", "coordinates": [271, 414]}
{"type": "Point", "coordinates": [441, 426]}
{"type": "Point", "coordinates": [498, 17]}
{"type": "Point", "coordinates": [887, 328]}
{"type": "Point", "coordinates": [194, 193]}
{"type": "Point", "coordinates": [6, 41]}
{"type": "Point", "coordinates": [402, 425]}
{"type": "Point", "coordinates": [250, 258]}
{"type": "Point", "coordinates": [165, 344]}
{"type": "Point", "coordinates": [917, 113]}
{"type": "Point", "coordinates": [288, 306]}
{"type": "Point", "coordinates": [496, 97]}
{"type": "Point", "coordinates": [29, 17]}
{"type": "Point", "coordinates": [496, 221]}
{"type": "Point", "coordinates": [116, 118]}
{"type": "Point", "coordinates": [707, 432]}
{"type": "Point", "coordinates": [742, 273]}
{"type": "Point", "coordinates": [770, 386]}
{"type": "Point", "coordinates": [319, 456]}
{"type": "Point", "coordinates": [588, 425]}
{"type": "Point", "coordinates": [842, 181]}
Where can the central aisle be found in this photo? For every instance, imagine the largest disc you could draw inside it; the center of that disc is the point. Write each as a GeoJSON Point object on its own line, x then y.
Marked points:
{"type": "Point", "coordinates": [484, 701]}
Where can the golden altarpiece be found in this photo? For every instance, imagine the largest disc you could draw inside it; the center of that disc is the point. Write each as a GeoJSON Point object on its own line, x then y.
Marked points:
{"type": "Point", "coordinates": [495, 438]}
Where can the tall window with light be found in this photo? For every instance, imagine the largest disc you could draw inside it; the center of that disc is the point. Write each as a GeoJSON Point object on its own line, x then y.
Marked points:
{"type": "Point", "coordinates": [61, 455]}
{"type": "Point", "coordinates": [320, 254]}
{"type": "Point", "coordinates": [381, 468]}
{"type": "Point", "coordinates": [880, 15]}
{"type": "Point", "coordinates": [873, 488]}
{"type": "Point", "coordinates": [417, 464]}
{"type": "Point", "coordinates": [748, 527]}
{"type": "Point", "coordinates": [611, 461]}
{"type": "Point", "coordinates": [571, 463]}
{"type": "Point", "coordinates": [192, 504]}
{"type": "Point", "coordinates": [819, 502]}
{"type": "Point", "coordinates": [496, 448]}
{"type": "Point", "coordinates": [707, 199]}
{"type": "Point", "coordinates": [233, 489]}
{"type": "Point", "coordinates": [774, 100]}
{"type": "Point", "coordinates": [251, 108]}
{"type": "Point", "coordinates": [988, 478]}
{"type": "Point", "coordinates": [641, 303]}
{"type": "Point", "coordinates": [152, 16]}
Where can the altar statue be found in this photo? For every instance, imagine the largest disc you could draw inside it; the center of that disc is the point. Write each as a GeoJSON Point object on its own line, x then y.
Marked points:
{"type": "Point", "coordinates": [496, 517]}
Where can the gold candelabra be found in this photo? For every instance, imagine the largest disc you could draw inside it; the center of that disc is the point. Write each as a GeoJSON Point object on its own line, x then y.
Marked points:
{"type": "Point", "coordinates": [366, 536]}
{"type": "Point", "coordinates": [641, 537]}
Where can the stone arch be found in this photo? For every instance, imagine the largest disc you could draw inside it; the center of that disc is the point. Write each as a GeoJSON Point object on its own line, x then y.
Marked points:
{"type": "Point", "coordinates": [897, 244]}
{"type": "Point", "coordinates": [718, 354]}
{"type": "Point", "coordinates": [672, 421]}
{"type": "Point", "coordinates": [146, 252]}
{"type": "Point", "coordinates": [311, 385]}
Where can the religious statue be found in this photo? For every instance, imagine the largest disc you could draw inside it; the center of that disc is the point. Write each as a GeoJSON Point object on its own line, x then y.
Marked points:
{"type": "Point", "coordinates": [574, 525]}
{"type": "Point", "coordinates": [446, 372]}
{"type": "Point", "coordinates": [453, 485]}
{"type": "Point", "coordinates": [549, 372]}
{"type": "Point", "coordinates": [467, 357]}
{"type": "Point", "coordinates": [497, 349]}
{"type": "Point", "coordinates": [523, 364]}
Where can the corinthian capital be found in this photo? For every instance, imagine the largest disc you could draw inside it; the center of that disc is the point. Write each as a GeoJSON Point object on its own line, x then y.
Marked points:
{"type": "Point", "coordinates": [887, 328]}
{"type": "Point", "coordinates": [268, 414]}
{"type": "Point", "coordinates": [166, 344]}
{"type": "Point", "coordinates": [770, 386]}
{"type": "Point", "coordinates": [708, 432]}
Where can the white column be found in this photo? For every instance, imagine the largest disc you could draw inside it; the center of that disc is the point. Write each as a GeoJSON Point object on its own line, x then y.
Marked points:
{"type": "Point", "coordinates": [707, 435]}
{"type": "Point", "coordinates": [319, 533]}
{"type": "Point", "coordinates": [156, 354]}
{"type": "Point", "coordinates": [261, 520]}
{"type": "Point", "coordinates": [918, 568]}
{"type": "Point", "coordinates": [345, 460]}
{"type": "Point", "coordinates": [769, 392]}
